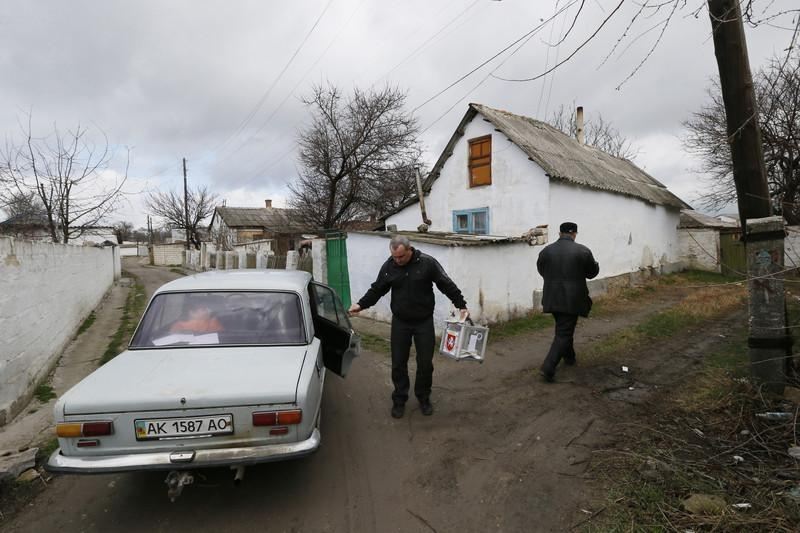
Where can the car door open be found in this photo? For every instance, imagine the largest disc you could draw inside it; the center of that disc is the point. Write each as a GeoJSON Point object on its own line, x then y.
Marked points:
{"type": "Point", "coordinates": [339, 343]}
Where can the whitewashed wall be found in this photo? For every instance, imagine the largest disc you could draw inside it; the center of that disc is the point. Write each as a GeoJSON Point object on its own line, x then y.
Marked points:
{"type": "Point", "coordinates": [168, 254]}
{"type": "Point", "coordinates": [495, 290]}
{"type": "Point", "coordinates": [46, 291]}
{"type": "Point", "coordinates": [129, 250]}
{"type": "Point", "coordinates": [700, 248]}
{"type": "Point", "coordinates": [517, 198]}
{"type": "Point", "coordinates": [624, 234]}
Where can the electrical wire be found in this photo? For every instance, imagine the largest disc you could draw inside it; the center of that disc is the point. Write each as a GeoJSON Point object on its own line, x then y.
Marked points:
{"type": "Point", "coordinates": [266, 93]}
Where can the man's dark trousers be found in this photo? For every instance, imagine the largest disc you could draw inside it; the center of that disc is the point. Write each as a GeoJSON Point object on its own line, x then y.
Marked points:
{"type": "Point", "coordinates": [562, 343]}
{"type": "Point", "coordinates": [424, 341]}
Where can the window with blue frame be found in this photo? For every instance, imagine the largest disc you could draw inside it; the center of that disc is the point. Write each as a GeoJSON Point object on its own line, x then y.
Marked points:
{"type": "Point", "coordinates": [474, 221]}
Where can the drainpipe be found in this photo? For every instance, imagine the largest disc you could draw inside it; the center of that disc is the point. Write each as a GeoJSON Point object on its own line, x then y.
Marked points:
{"type": "Point", "coordinates": [579, 124]}
{"type": "Point", "coordinates": [421, 195]}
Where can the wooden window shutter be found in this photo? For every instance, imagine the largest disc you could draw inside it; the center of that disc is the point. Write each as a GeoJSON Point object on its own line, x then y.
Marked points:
{"type": "Point", "coordinates": [480, 161]}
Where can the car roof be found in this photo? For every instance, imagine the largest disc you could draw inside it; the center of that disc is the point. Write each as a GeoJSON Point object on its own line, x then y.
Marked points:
{"type": "Point", "coordinates": [238, 280]}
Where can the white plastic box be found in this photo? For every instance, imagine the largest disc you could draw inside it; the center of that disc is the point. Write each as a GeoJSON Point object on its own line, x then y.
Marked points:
{"type": "Point", "coordinates": [464, 341]}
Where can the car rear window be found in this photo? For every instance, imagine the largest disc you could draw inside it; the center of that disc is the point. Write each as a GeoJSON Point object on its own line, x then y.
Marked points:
{"type": "Point", "coordinates": [221, 319]}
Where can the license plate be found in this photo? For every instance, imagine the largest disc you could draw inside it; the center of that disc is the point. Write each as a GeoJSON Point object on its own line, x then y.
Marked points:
{"type": "Point", "coordinates": [172, 428]}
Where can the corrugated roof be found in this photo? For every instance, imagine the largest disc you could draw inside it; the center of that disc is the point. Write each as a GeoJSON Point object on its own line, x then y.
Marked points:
{"type": "Point", "coordinates": [271, 218]}
{"type": "Point", "coordinates": [564, 158]}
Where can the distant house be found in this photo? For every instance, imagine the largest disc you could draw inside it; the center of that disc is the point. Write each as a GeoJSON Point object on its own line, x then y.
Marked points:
{"type": "Point", "coordinates": [30, 227]}
{"type": "Point", "coordinates": [231, 226]}
{"type": "Point", "coordinates": [498, 193]}
{"type": "Point", "coordinates": [705, 239]}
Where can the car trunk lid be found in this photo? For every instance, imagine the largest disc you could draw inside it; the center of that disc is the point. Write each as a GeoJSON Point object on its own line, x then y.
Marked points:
{"type": "Point", "coordinates": [189, 378]}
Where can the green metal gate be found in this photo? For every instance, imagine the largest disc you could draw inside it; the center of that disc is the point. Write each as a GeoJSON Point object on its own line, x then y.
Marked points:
{"type": "Point", "coordinates": [338, 276]}
{"type": "Point", "coordinates": [733, 257]}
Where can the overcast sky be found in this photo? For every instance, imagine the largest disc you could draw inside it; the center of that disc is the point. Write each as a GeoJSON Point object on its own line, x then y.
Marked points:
{"type": "Point", "coordinates": [220, 82]}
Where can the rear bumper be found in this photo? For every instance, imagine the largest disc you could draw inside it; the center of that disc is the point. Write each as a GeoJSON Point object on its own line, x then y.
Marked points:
{"type": "Point", "coordinates": [183, 459]}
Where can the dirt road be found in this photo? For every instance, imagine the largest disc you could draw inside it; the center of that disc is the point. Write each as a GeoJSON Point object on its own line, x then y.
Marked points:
{"type": "Point", "coordinates": [503, 451]}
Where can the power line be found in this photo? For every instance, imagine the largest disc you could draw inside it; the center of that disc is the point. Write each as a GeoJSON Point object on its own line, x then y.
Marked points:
{"type": "Point", "coordinates": [524, 40]}
{"type": "Point", "coordinates": [427, 41]}
{"type": "Point", "coordinates": [266, 94]}
{"type": "Point", "coordinates": [484, 63]}
{"type": "Point", "coordinates": [578, 49]}
{"type": "Point", "coordinates": [296, 85]}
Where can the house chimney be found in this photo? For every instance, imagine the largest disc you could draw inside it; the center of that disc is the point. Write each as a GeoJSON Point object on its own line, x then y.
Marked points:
{"type": "Point", "coordinates": [268, 203]}
{"type": "Point", "coordinates": [579, 124]}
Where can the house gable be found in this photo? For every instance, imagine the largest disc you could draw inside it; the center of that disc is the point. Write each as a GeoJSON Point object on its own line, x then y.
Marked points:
{"type": "Point", "coordinates": [517, 195]}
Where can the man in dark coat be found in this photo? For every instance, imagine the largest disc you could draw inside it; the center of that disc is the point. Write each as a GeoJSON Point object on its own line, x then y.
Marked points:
{"type": "Point", "coordinates": [410, 274]}
{"type": "Point", "coordinates": [565, 266]}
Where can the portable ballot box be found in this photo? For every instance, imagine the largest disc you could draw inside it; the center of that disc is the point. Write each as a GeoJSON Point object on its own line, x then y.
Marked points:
{"type": "Point", "coordinates": [464, 341]}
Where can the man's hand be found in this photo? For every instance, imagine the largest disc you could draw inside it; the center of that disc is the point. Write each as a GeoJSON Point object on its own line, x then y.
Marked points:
{"type": "Point", "coordinates": [463, 314]}
{"type": "Point", "coordinates": [354, 310]}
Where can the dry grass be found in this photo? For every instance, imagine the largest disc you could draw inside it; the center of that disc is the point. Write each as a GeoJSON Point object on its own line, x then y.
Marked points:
{"type": "Point", "coordinates": [690, 312]}
{"type": "Point", "coordinates": [717, 447]}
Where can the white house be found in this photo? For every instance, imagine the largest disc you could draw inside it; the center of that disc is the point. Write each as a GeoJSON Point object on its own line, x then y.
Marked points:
{"type": "Point", "coordinates": [504, 177]}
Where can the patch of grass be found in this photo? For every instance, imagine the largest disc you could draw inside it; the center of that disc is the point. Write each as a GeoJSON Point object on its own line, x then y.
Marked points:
{"type": "Point", "coordinates": [46, 449]}
{"type": "Point", "coordinates": [698, 277]}
{"type": "Point", "coordinates": [698, 306]}
{"type": "Point", "coordinates": [44, 393]}
{"type": "Point", "coordinates": [178, 271]}
{"type": "Point", "coordinates": [86, 324]}
{"type": "Point", "coordinates": [517, 326]}
{"type": "Point", "coordinates": [134, 306]}
{"type": "Point", "coordinates": [375, 343]}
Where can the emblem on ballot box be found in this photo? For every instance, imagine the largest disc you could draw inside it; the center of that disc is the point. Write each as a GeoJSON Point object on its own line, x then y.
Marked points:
{"type": "Point", "coordinates": [464, 340]}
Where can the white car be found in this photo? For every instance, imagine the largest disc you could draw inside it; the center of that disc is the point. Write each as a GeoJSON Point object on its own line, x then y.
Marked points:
{"type": "Point", "coordinates": [224, 369]}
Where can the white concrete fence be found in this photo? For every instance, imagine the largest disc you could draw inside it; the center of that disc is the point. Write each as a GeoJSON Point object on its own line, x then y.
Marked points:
{"type": "Point", "coordinates": [209, 258]}
{"type": "Point", "coordinates": [46, 292]}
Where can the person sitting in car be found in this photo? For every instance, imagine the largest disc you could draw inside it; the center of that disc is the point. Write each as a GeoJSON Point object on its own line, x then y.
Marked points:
{"type": "Point", "coordinates": [199, 320]}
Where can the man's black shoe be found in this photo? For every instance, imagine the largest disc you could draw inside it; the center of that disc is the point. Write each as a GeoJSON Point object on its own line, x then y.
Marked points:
{"type": "Point", "coordinates": [398, 409]}
{"type": "Point", "coordinates": [426, 407]}
{"type": "Point", "coordinates": [569, 362]}
{"type": "Point", "coordinates": [547, 376]}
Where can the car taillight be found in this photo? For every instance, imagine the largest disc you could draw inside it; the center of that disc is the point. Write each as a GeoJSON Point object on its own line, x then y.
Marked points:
{"type": "Point", "coordinates": [84, 429]}
{"type": "Point", "coordinates": [278, 418]}
{"type": "Point", "coordinates": [287, 418]}
{"type": "Point", "coordinates": [265, 419]}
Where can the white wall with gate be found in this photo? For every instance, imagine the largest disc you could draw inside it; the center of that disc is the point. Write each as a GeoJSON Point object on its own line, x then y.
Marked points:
{"type": "Point", "coordinates": [498, 281]}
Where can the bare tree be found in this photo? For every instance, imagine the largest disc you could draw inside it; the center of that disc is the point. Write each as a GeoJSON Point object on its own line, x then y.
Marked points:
{"type": "Point", "coordinates": [123, 230]}
{"type": "Point", "coordinates": [25, 205]}
{"type": "Point", "coordinates": [169, 207]}
{"type": "Point", "coordinates": [778, 92]}
{"type": "Point", "coordinates": [357, 156]}
{"type": "Point", "coordinates": [597, 132]}
{"type": "Point", "coordinates": [66, 174]}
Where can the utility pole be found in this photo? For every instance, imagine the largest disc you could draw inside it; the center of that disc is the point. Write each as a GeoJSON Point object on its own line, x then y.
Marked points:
{"type": "Point", "coordinates": [762, 233]}
{"type": "Point", "coordinates": [185, 204]}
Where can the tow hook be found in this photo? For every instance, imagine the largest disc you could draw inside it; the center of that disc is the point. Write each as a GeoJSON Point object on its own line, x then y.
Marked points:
{"type": "Point", "coordinates": [175, 481]}
{"type": "Point", "coordinates": [238, 476]}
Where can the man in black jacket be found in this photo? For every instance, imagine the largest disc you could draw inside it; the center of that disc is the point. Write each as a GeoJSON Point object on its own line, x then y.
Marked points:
{"type": "Point", "coordinates": [565, 266]}
{"type": "Point", "coordinates": [410, 274]}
